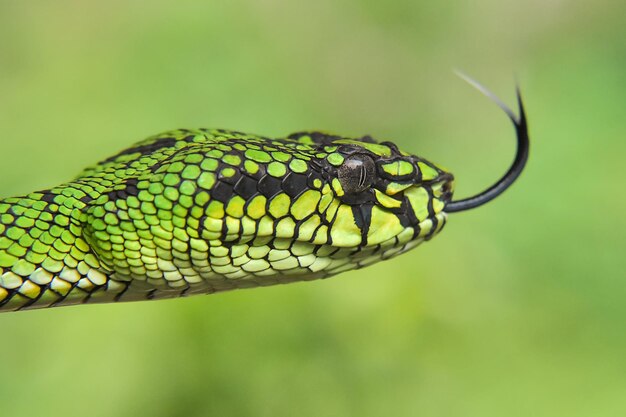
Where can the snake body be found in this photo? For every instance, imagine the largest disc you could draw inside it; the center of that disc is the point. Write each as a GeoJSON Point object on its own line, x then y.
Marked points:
{"type": "Point", "coordinates": [202, 211]}
{"type": "Point", "coordinates": [208, 210]}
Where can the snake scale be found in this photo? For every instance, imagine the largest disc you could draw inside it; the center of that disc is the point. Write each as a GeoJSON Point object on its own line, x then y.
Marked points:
{"type": "Point", "coordinates": [208, 210]}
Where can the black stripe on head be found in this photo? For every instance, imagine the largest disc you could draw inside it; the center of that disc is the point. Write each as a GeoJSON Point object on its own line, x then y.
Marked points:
{"type": "Point", "coordinates": [362, 214]}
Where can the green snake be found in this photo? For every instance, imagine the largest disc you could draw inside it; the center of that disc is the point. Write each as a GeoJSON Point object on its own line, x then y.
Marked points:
{"type": "Point", "coordinates": [199, 211]}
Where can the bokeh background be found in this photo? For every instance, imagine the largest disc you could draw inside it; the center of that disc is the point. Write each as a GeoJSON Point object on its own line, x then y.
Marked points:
{"type": "Point", "coordinates": [516, 309]}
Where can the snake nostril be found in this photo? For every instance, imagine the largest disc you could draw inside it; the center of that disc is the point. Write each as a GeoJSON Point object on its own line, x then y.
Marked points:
{"type": "Point", "coordinates": [446, 190]}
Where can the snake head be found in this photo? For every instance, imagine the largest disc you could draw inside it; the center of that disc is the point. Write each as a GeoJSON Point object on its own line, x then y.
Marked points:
{"type": "Point", "coordinates": [196, 211]}
{"type": "Point", "coordinates": [383, 196]}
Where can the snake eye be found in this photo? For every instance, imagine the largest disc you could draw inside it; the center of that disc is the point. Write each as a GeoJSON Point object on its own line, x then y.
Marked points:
{"type": "Point", "coordinates": [357, 173]}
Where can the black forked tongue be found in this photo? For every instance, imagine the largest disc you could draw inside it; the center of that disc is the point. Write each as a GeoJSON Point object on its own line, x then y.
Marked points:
{"type": "Point", "coordinates": [518, 164]}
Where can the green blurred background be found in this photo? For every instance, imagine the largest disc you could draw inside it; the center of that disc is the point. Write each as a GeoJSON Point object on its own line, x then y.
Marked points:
{"type": "Point", "coordinates": [517, 309]}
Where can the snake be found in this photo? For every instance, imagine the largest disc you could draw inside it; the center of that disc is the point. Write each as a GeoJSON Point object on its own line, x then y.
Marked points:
{"type": "Point", "coordinates": [201, 211]}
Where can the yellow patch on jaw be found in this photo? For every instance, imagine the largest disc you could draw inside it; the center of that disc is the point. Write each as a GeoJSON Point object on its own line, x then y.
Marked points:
{"type": "Point", "coordinates": [387, 201]}
{"type": "Point", "coordinates": [325, 202]}
{"type": "Point", "coordinates": [305, 204]}
{"type": "Point", "coordinates": [418, 197]}
{"type": "Point", "coordinates": [321, 235]}
{"type": "Point", "coordinates": [344, 231]}
{"type": "Point", "coordinates": [383, 226]}
{"type": "Point", "coordinates": [308, 227]}
{"type": "Point", "coordinates": [437, 205]}
{"type": "Point", "coordinates": [332, 209]}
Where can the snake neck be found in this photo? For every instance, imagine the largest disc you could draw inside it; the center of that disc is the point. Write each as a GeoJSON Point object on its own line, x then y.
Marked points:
{"type": "Point", "coordinates": [44, 260]}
